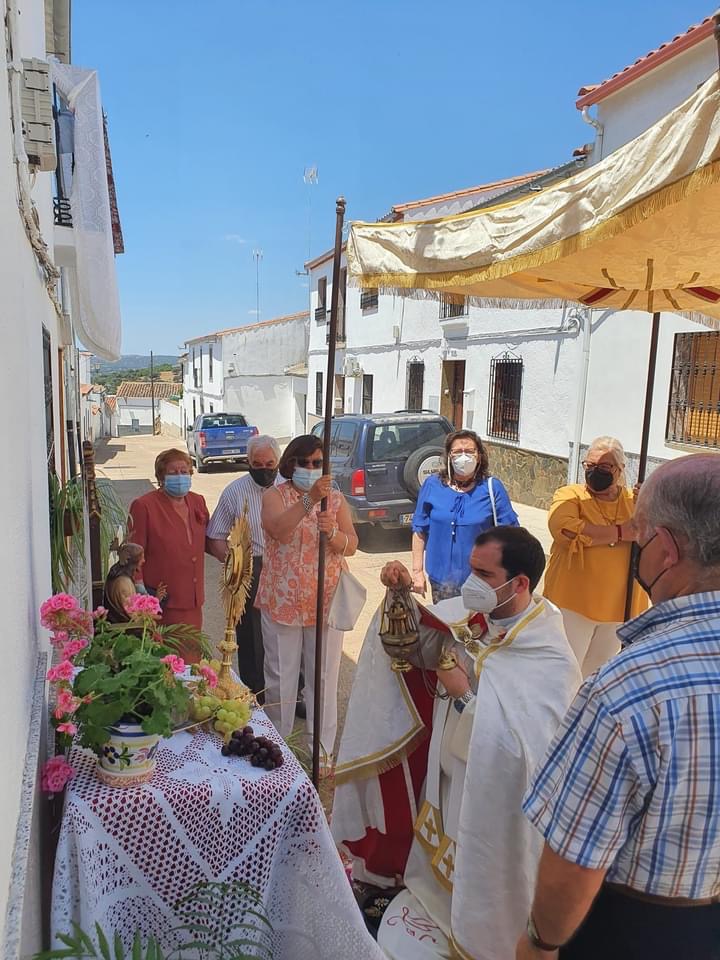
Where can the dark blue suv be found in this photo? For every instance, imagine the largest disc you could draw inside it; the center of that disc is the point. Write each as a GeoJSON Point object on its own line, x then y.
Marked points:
{"type": "Point", "coordinates": [379, 461]}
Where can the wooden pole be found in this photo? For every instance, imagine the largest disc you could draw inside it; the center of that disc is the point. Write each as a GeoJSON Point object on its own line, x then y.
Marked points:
{"type": "Point", "coordinates": [93, 505]}
{"type": "Point", "coordinates": [152, 391]}
{"type": "Point", "coordinates": [644, 442]}
{"type": "Point", "coordinates": [329, 404]}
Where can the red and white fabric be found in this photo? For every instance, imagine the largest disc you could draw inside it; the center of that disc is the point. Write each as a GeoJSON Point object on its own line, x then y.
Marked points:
{"type": "Point", "coordinates": [125, 857]}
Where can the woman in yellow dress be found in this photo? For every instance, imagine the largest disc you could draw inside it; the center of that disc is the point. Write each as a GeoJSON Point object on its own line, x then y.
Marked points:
{"type": "Point", "coordinates": [592, 530]}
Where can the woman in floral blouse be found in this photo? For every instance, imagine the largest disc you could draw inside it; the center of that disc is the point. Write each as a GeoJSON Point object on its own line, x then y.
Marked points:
{"type": "Point", "coordinates": [287, 594]}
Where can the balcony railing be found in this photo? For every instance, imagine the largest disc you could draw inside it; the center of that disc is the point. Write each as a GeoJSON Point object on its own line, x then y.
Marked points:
{"type": "Point", "coordinates": [368, 299]}
{"type": "Point", "coordinates": [61, 211]}
{"type": "Point", "coordinates": [452, 306]}
{"type": "Point", "coordinates": [320, 314]}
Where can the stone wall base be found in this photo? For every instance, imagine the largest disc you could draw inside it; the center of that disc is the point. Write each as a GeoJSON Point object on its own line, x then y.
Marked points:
{"type": "Point", "coordinates": [529, 477]}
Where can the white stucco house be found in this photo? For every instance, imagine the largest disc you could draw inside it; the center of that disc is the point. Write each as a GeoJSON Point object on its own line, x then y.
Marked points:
{"type": "Point", "coordinates": [257, 370]}
{"type": "Point", "coordinates": [52, 296]}
{"type": "Point", "coordinates": [538, 385]}
{"type": "Point", "coordinates": [137, 401]}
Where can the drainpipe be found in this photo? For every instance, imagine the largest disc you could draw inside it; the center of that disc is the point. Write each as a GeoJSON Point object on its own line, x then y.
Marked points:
{"type": "Point", "coordinates": [599, 132]}
{"type": "Point", "coordinates": [581, 397]}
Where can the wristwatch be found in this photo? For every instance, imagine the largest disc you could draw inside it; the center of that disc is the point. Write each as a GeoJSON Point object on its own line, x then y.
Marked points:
{"type": "Point", "coordinates": [461, 702]}
{"type": "Point", "coordinates": [536, 940]}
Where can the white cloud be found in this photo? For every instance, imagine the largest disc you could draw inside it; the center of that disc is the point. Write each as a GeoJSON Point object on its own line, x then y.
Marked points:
{"type": "Point", "coordinates": [234, 238]}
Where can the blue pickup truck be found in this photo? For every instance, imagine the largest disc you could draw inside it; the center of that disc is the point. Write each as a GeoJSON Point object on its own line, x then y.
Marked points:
{"type": "Point", "coordinates": [219, 438]}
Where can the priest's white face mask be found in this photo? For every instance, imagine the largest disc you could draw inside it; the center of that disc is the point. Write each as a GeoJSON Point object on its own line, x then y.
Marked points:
{"type": "Point", "coordinates": [479, 597]}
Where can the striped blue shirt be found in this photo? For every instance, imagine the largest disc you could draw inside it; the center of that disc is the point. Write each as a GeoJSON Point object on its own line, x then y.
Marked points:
{"type": "Point", "coordinates": [231, 505]}
{"type": "Point", "coordinates": [631, 781]}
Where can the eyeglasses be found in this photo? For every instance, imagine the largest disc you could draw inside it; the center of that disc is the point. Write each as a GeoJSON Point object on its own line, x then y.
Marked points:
{"type": "Point", "coordinates": [602, 467]}
{"type": "Point", "coordinates": [307, 462]}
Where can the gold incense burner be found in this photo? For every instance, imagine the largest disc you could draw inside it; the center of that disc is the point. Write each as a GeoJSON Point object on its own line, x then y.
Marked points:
{"type": "Point", "coordinates": [399, 630]}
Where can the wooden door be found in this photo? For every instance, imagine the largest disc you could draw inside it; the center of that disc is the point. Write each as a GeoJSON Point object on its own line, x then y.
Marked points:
{"type": "Point", "coordinates": [452, 386]}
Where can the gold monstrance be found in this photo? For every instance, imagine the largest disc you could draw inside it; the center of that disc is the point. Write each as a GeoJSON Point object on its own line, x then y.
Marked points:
{"type": "Point", "coordinates": [234, 590]}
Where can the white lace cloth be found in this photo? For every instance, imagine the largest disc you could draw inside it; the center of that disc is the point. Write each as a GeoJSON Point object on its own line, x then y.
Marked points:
{"type": "Point", "coordinates": [126, 855]}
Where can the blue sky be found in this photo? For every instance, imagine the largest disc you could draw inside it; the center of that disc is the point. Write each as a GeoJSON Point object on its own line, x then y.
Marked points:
{"type": "Point", "coordinates": [215, 108]}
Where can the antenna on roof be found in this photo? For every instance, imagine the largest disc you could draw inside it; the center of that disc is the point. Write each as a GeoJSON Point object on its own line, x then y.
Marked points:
{"type": "Point", "coordinates": [310, 179]}
{"type": "Point", "coordinates": [258, 255]}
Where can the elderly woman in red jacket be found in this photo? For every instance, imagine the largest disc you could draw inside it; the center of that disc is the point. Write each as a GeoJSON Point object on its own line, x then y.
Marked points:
{"type": "Point", "coordinates": [169, 524]}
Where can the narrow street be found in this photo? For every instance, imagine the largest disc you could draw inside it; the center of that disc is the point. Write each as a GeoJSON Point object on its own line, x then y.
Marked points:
{"type": "Point", "coordinates": [128, 462]}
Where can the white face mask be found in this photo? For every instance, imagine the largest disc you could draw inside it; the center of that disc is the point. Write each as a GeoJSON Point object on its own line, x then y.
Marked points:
{"type": "Point", "coordinates": [464, 464]}
{"type": "Point", "coordinates": [479, 597]}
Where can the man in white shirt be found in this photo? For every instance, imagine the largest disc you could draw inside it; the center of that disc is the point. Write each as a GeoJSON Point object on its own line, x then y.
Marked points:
{"type": "Point", "coordinates": [263, 458]}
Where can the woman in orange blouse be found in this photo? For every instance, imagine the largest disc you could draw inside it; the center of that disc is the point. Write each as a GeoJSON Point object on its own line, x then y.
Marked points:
{"type": "Point", "coordinates": [592, 529]}
{"type": "Point", "coordinates": [287, 593]}
{"type": "Point", "coordinates": [169, 524]}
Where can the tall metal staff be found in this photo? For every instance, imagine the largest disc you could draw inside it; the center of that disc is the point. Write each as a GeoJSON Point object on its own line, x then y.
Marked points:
{"type": "Point", "coordinates": [329, 404]}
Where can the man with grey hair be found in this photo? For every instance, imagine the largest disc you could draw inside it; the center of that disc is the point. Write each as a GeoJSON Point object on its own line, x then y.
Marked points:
{"type": "Point", "coordinates": [628, 796]}
{"type": "Point", "coordinates": [263, 457]}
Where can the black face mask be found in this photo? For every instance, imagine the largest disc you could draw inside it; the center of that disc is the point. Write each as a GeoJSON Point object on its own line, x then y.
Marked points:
{"type": "Point", "coordinates": [598, 480]}
{"type": "Point", "coordinates": [636, 554]}
{"type": "Point", "coordinates": [263, 476]}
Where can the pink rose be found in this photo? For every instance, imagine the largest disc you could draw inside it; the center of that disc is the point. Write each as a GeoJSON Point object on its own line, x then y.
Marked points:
{"type": "Point", "coordinates": [176, 664]}
{"type": "Point", "coordinates": [68, 727]}
{"type": "Point", "coordinates": [63, 671]}
{"type": "Point", "coordinates": [55, 774]}
{"type": "Point", "coordinates": [209, 675]}
{"type": "Point", "coordinates": [99, 613]}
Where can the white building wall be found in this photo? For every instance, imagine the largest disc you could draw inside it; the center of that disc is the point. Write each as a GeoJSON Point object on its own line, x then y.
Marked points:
{"type": "Point", "coordinates": [171, 418]}
{"type": "Point", "coordinates": [25, 558]}
{"type": "Point", "coordinates": [135, 408]}
{"type": "Point", "coordinates": [621, 343]}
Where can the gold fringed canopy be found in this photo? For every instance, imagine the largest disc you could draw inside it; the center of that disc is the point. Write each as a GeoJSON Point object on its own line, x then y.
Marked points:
{"type": "Point", "coordinates": [640, 230]}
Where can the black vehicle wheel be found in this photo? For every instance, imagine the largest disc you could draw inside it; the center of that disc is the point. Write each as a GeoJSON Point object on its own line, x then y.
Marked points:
{"type": "Point", "coordinates": [201, 465]}
{"type": "Point", "coordinates": [420, 464]}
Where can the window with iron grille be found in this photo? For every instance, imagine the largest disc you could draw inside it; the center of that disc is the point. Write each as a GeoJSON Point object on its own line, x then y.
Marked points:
{"type": "Point", "coordinates": [367, 393]}
{"type": "Point", "coordinates": [415, 384]}
{"type": "Point", "coordinates": [321, 309]}
{"type": "Point", "coordinates": [506, 373]}
{"type": "Point", "coordinates": [342, 290]}
{"type": "Point", "coordinates": [319, 393]}
{"type": "Point", "coordinates": [369, 298]}
{"type": "Point", "coordinates": [210, 363]}
{"type": "Point", "coordinates": [452, 305]}
{"type": "Point", "coordinates": [694, 405]}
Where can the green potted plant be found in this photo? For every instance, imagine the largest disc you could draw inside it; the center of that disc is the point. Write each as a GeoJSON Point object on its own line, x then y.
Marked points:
{"type": "Point", "coordinates": [119, 686]}
{"type": "Point", "coordinates": [66, 528]}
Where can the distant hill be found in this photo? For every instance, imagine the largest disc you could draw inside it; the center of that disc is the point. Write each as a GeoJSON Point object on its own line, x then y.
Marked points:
{"type": "Point", "coordinates": [130, 361]}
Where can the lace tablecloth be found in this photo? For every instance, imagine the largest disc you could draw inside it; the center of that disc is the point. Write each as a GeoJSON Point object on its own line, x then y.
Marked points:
{"type": "Point", "coordinates": [126, 856]}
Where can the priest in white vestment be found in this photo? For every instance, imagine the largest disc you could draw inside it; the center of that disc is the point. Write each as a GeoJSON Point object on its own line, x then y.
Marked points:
{"type": "Point", "coordinates": [471, 867]}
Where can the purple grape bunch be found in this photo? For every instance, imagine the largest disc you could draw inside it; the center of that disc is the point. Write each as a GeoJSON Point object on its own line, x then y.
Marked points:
{"type": "Point", "coordinates": [260, 751]}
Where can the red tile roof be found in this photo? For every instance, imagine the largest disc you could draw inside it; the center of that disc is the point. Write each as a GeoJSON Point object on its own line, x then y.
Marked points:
{"type": "Point", "coordinates": [249, 327]}
{"type": "Point", "coordinates": [400, 208]}
{"type": "Point", "coordinates": [111, 403]}
{"type": "Point", "coordinates": [594, 92]}
{"type": "Point", "coordinates": [141, 388]}
{"type": "Point", "coordinates": [85, 389]}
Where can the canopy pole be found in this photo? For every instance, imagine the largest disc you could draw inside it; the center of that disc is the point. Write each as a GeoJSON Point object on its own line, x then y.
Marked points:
{"type": "Point", "coordinates": [329, 404]}
{"type": "Point", "coordinates": [644, 441]}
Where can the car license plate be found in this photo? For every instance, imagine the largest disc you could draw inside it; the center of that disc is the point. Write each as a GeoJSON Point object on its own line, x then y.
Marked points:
{"type": "Point", "coordinates": [406, 519]}
{"type": "Point", "coordinates": [233, 450]}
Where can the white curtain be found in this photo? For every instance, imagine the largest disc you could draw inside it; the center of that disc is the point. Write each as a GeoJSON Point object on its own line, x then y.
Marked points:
{"type": "Point", "coordinates": [97, 314]}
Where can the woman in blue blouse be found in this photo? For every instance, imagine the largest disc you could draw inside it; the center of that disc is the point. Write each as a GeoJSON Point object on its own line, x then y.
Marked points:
{"type": "Point", "coordinates": [453, 507]}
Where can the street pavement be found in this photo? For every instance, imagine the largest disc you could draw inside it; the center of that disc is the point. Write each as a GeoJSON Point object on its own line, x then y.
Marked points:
{"type": "Point", "coordinates": [129, 463]}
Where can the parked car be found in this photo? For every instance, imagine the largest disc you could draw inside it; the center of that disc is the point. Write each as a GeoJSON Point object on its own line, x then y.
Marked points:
{"type": "Point", "coordinates": [219, 438]}
{"type": "Point", "coordinates": [379, 461]}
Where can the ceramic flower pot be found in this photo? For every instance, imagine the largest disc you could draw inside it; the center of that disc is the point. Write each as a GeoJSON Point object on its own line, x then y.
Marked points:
{"type": "Point", "coordinates": [128, 757]}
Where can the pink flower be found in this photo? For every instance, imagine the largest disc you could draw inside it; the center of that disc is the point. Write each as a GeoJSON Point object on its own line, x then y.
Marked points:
{"type": "Point", "coordinates": [176, 664]}
{"type": "Point", "coordinates": [143, 605]}
{"type": "Point", "coordinates": [55, 774]}
{"type": "Point", "coordinates": [208, 674]}
{"type": "Point", "coordinates": [59, 637]}
{"type": "Point", "coordinates": [69, 728]}
{"type": "Point", "coordinates": [66, 702]}
{"type": "Point", "coordinates": [73, 647]}
{"type": "Point", "coordinates": [99, 613]}
{"type": "Point", "coordinates": [63, 671]}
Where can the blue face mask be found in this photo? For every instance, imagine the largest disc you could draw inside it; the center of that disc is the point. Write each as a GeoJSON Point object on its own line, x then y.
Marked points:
{"type": "Point", "coordinates": [304, 477]}
{"type": "Point", "coordinates": [177, 484]}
